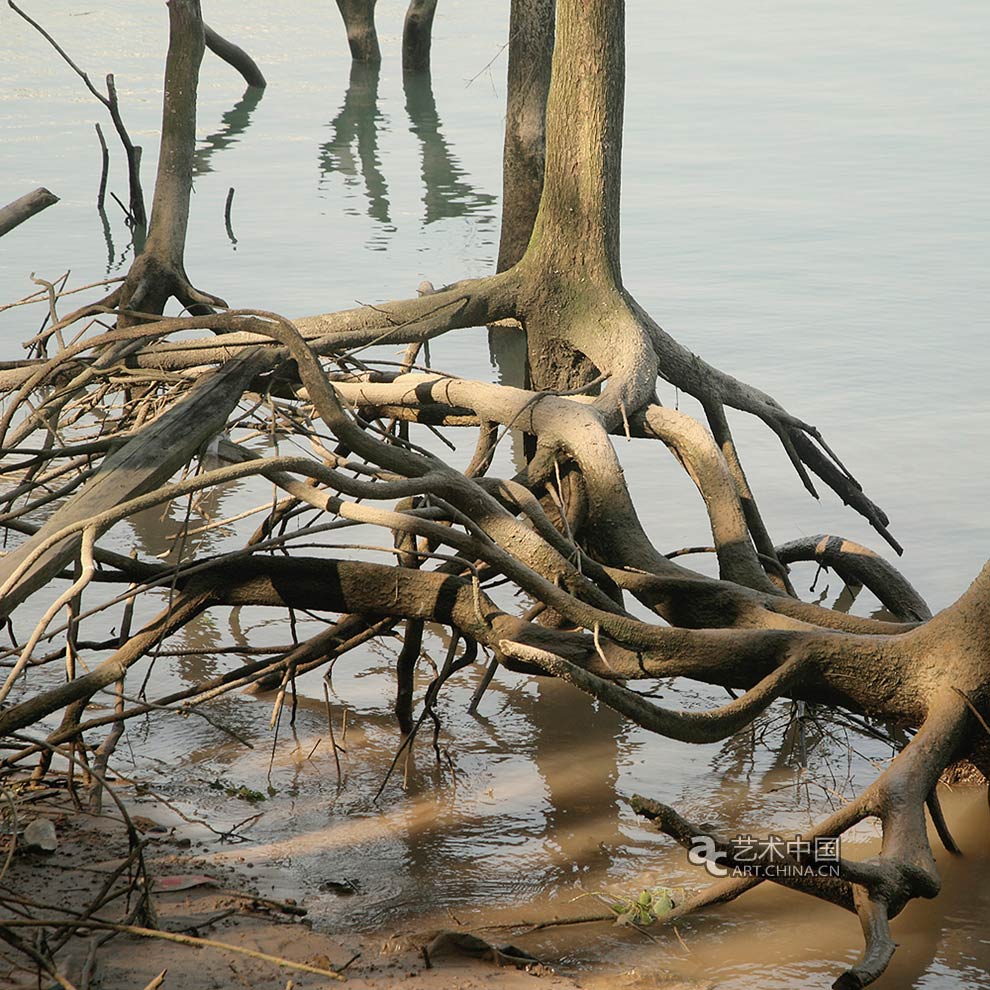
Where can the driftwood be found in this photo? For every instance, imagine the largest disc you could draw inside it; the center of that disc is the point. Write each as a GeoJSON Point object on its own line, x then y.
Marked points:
{"type": "Point", "coordinates": [564, 533]}
{"type": "Point", "coordinates": [24, 208]}
{"type": "Point", "coordinates": [139, 465]}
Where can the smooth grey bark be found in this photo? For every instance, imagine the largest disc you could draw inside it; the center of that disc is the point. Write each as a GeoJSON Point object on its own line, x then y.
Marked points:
{"type": "Point", "coordinates": [531, 40]}
{"type": "Point", "coordinates": [24, 208]}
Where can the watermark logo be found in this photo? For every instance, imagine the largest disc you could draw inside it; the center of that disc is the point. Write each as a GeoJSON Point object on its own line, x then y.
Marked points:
{"type": "Point", "coordinates": [774, 856]}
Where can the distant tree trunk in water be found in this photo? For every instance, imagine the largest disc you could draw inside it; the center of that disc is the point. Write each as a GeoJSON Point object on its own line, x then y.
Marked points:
{"type": "Point", "coordinates": [158, 273]}
{"type": "Point", "coordinates": [417, 35]}
{"type": "Point", "coordinates": [235, 57]}
{"type": "Point", "coordinates": [359, 19]}
{"type": "Point", "coordinates": [531, 37]}
{"type": "Point", "coordinates": [531, 32]}
{"type": "Point", "coordinates": [173, 184]}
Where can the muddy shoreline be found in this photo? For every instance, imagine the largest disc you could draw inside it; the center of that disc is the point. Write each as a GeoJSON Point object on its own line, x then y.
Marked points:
{"type": "Point", "coordinates": [198, 895]}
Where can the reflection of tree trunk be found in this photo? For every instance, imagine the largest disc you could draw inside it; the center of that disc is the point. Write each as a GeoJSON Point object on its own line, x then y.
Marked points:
{"type": "Point", "coordinates": [417, 35]}
{"type": "Point", "coordinates": [359, 19]}
{"type": "Point", "coordinates": [357, 124]}
{"type": "Point", "coordinates": [233, 123]}
{"type": "Point", "coordinates": [575, 747]}
{"type": "Point", "coordinates": [446, 194]}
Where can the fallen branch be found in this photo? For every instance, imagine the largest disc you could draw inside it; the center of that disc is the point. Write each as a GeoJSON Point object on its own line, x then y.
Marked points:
{"type": "Point", "coordinates": [235, 57]}
{"type": "Point", "coordinates": [24, 208]}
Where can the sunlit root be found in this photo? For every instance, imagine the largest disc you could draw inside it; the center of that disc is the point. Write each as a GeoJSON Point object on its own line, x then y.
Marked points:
{"type": "Point", "coordinates": [859, 566]}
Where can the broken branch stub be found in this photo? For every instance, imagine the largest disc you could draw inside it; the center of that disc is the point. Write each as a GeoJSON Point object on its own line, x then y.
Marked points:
{"type": "Point", "coordinates": [24, 208]}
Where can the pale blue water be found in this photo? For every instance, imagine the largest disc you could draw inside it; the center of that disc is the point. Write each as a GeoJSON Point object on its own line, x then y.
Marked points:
{"type": "Point", "coordinates": [805, 204]}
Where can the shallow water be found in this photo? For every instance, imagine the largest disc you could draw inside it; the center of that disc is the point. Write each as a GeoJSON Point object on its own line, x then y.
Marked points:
{"type": "Point", "coordinates": [805, 205]}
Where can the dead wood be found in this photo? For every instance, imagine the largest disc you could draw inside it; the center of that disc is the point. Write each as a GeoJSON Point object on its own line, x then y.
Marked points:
{"type": "Point", "coordinates": [235, 57]}
{"type": "Point", "coordinates": [24, 208]}
{"type": "Point", "coordinates": [136, 211]}
{"type": "Point", "coordinates": [111, 419]}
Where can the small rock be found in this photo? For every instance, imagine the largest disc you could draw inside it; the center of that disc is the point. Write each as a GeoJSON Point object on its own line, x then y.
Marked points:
{"type": "Point", "coordinates": [40, 836]}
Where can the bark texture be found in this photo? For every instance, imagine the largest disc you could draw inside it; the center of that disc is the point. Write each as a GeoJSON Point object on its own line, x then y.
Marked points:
{"type": "Point", "coordinates": [362, 38]}
{"type": "Point", "coordinates": [531, 34]}
{"type": "Point", "coordinates": [417, 35]}
{"type": "Point", "coordinates": [563, 532]}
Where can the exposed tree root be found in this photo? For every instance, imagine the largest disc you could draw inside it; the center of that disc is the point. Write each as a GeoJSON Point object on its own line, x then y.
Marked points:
{"type": "Point", "coordinates": [104, 425]}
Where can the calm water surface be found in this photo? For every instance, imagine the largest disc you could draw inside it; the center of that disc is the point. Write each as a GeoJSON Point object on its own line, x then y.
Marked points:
{"type": "Point", "coordinates": [805, 204]}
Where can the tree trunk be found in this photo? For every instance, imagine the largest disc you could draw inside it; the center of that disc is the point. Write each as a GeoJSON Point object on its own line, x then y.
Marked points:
{"type": "Point", "coordinates": [158, 273]}
{"type": "Point", "coordinates": [417, 35]}
{"type": "Point", "coordinates": [531, 35]}
{"type": "Point", "coordinates": [531, 42]}
{"type": "Point", "coordinates": [574, 281]}
{"type": "Point", "coordinates": [359, 20]}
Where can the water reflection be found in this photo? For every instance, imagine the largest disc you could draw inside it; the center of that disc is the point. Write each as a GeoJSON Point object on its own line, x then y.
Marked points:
{"type": "Point", "coordinates": [447, 193]}
{"type": "Point", "coordinates": [352, 149]}
{"type": "Point", "coordinates": [161, 533]}
{"type": "Point", "coordinates": [507, 353]}
{"type": "Point", "coordinates": [534, 819]}
{"type": "Point", "coordinates": [232, 125]}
